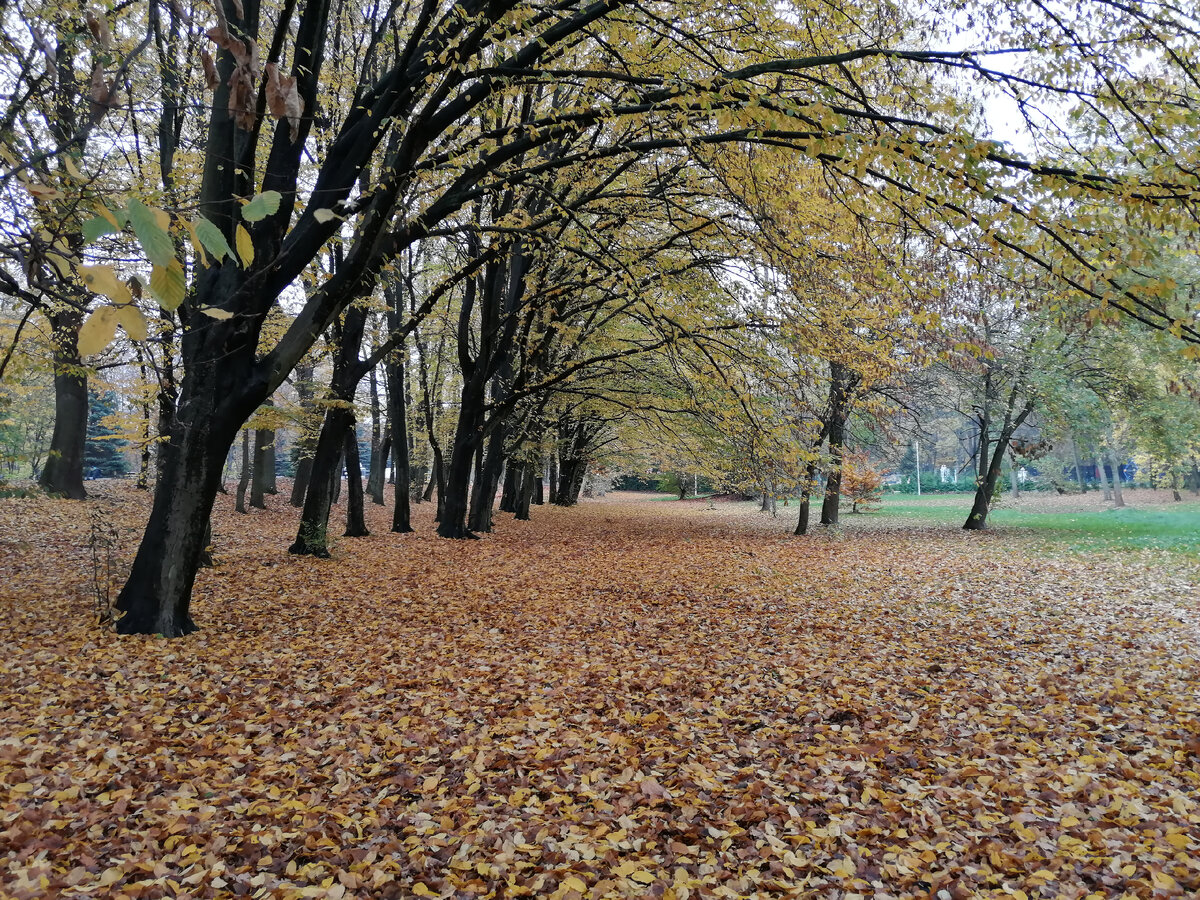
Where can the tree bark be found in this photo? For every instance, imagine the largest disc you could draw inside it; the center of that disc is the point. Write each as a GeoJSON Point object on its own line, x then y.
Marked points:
{"type": "Point", "coordinates": [244, 475]}
{"type": "Point", "coordinates": [977, 520]}
{"type": "Point", "coordinates": [356, 519]}
{"type": "Point", "coordinates": [841, 383]}
{"type": "Point", "coordinates": [63, 473]}
{"type": "Point", "coordinates": [312, 537]}
{"type": "Point", "coordinates": [1118, 496]}
{"type": "Point", "coordinates": [380, 445]}
{"type": "Point", "coordinates": [398, 422]}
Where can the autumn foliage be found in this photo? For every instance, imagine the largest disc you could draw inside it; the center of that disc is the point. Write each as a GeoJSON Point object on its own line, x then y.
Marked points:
{"type": "Point", "coordinates": [862, 483]}
{"type": "Point", "coordinates": [621, 699]}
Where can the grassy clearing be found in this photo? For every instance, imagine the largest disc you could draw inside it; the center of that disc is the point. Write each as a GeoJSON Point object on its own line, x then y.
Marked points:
{"type": "Point", "coordinates": [1065, 522]}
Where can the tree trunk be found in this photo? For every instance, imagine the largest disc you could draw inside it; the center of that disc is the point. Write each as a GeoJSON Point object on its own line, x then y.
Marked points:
{"type": "Point", "coordinates": [356, 519]}
{"type": "Point", "coordinates": [264, 452]}
{"type": "Point", "coordinates": [467, 439]}
{"type": "Point", "coordinates": [841, 382]}
{"type": "Point", "coordinates": [1079, 479]}
{"type": "Point", "coordinates": [312, 537]}
{"type": "Point", "coordinates": [483, 496]}
{"type": "Point", "coordinates": [63, 472]}
{"type": "Point", "coordinates": [810, 473]}
{"type": "Point", "coordinates": [156, 597]}
{"type": "Point", "coordinates": [508, 495]}
{"type": "Point", "coordinates": [977, 519]}
{"type": "Point", "coordinates": [244, 475]}
{"type": "Point", "coordinates": [553, 478]}
{"type": "Point", "coordinates": [527, 482]}
{"type": "Point", "coordinates": [305, 442]}
{"type": "Point", "coordinates": [380, 445]}
{"type": "Point", "coordinates": [1118, 495]}
{"type": "Point", "coordinates": [398, 422]}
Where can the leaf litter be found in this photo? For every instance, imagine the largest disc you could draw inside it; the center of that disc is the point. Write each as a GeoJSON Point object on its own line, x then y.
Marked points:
{"type": "Point", "coordinates": [625, 699]}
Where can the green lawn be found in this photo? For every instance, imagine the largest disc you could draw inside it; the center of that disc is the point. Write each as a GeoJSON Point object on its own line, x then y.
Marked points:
{"type": "Point", "coordinates": [1174, 527]}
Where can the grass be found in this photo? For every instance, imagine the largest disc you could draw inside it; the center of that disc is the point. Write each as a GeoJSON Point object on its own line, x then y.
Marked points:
{"type": "Point", "coordinates": [1174, 527]}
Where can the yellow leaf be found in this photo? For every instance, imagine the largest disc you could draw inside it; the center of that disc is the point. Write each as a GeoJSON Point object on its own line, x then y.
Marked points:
{"type": "Point", "coordinates": [1163, 880]}
{"type": "Point", "coordinates": [423, 890]}
{"type": "Point", "coordinates": [215, 313]}
{"type": "Point", "coordinates": [1178, 840]}
{"type": "Point", "coordinates": [131, 319]}
{"type": "Point", "coordinates": [98, 331]}
{"type": "Point", "coordinates": [103, 280]}
{"type": "Point", "coordinates": [245, 246]}
{"type": "Point", "coordinates": [571, 882]}
{"type": "Point", "coordinates": [641, 876]}
{"type": "Point", "coordinates": [196, 245]}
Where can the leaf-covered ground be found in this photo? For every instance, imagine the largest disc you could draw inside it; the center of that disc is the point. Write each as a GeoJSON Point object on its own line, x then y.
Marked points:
{"type": "Point", "coordinates": [625, 699]}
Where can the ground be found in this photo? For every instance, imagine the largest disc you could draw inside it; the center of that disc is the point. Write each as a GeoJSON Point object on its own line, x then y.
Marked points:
{"type": "Point", "coordinates": [629, 698]}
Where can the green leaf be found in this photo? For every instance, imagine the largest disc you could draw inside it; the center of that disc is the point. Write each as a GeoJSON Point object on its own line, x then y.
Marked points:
{"type": "Point", "coordinates": [97, 227]}
{"type": "Point", "coordinates": [212, 239]}
{"type": "Point", "coordinates": [155, 240]}
{"type": "Point", "coordinates": [261, 206]}
{"type": "Point", "coordinates": [168, 285]}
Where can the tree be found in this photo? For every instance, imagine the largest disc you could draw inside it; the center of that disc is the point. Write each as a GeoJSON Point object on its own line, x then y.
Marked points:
{"type": "Point", "coordinates": [423, 137]}
{"type": "Point", "coordinates": [102, 452]}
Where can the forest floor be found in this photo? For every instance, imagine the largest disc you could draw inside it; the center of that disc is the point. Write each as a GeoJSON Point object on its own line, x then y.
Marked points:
{"type": "Point", "coordinates": [630, 698]}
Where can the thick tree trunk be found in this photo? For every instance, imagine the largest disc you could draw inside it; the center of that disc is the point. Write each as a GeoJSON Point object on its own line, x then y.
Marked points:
{"type": "Point", "coordinates": [305, 442]}
{"type": "Point", "coordinates": [527, 483]}
{"type": "Point", "coordinates": [244, 476]}
{"type": "Point", "coordinates": [356, 519]}
{"type": "Point", "coordinates": [508, 495]}
{"type": "Point", "coordinates": [483, 495]}
{"type": "Point", "coordinates": [312, 537]}
{"type": "Point", "coordinates": [467, 439]}
{"type": "Point", "coordinates": [156, 597]}
{"type": "Point", "coordinates": [300, 482]}
{"type": "Point", "coordinates": [553, 478]}
{"type": "Point", "coordinates": [63, 472]}
{"type": "Point", "coordinates": [377, 480]}
{"type": "Point", "coordinates": [263, 481]}
{"type": "Point", "coordinates": [398, 422]}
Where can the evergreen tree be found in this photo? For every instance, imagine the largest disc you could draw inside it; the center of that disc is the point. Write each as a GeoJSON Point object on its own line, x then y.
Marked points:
{"type": "Point", "coordinates": [102, 454]}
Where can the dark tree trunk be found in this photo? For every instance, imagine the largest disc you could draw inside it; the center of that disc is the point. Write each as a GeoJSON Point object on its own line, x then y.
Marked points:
{"type": "Point", "coordinates": [312, 537]}
{"type": "Point", "coordinates": [841, 384]}
{"type": "Point", "coordinates": [305, 441]}
{"type": "Point", "coordinates": [553, 477]}
{"type": "Point", "coordinates": [380, 445]}
{"type": "Point", "coordinates": [810, 474]}
{"type": "Point", "coordinates": [63, 472]}
{"type": "Point", "coordinates": [539, 491]}
{"type": "Point", "coordinates": [338, 468]}
{"type": "Point", "coordinates": [483, 497]}
{"type": "Point", "coordinates": [244, 476]}
{"type": "Point", "coordinates": [467, 439]}
{"type": "Point", "coordinates": [527, 483]}
{"type": "Point", "coordinates": [512, 487]}
{"type": "Point", "coordinates": [356, 519]}
{"type": "Point", "coordinates": [977, 520]}
{"type": "Point", "coordinates": [156, 598]}
{"type": "Point", "coordinates": [377, 479]}
{"type": "Point", "coordinates": [300, 482]}
{"type": "Point", "coordinates": [398, 421]}
{"type": "Point", "coordinates": [263, 482]}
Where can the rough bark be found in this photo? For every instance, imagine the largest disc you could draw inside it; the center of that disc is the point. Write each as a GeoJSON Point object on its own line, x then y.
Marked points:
{"type": "Point", "coordinates": [244, 477]}
{"type": "Point", "coordinates": [842, 381]}
{"type": "Point", "coordinates": [63, 473]}
{"type": "Point", "coordinates": [356, 519]}
{"type": "Point", "coordinates": [398, 423]}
